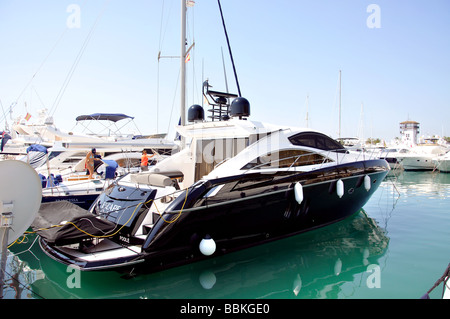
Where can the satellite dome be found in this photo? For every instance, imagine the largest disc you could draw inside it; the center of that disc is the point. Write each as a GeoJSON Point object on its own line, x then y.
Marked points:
{"type": "Point", "coordinates": [221, 100]}
{"type": "Point", "coordinates": [196, 113]}
{"type": "Point", "coordinates": [240, 107]}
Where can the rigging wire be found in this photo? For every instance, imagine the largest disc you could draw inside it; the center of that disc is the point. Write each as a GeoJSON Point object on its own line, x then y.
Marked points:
{"type": "Point", "coordinates": [162, 34]}
{"type": "Point", "coordinates": [173, 102]}
{"type": "Point", "coordinates": [157, 72]}
{"type": "Point", "coordinates": [191, 51]}
{"type": "Point", "coordinates": [229, 49]}
{"type": "Point", "coordinates": [35, 73]}
{"type": "Point", "coordinates": [3, 112]}
{"type": "Point", "coordinates": [13, 104]}
{"type": "Point", "coordinates": [77, 60]}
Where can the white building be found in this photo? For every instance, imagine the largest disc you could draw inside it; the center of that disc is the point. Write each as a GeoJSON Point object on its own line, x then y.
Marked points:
{"type": "Point", "coordinates": [409, 131]}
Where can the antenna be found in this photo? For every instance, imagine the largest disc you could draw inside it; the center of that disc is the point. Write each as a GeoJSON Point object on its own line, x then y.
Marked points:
{"type": "Point", "coordinates": [340, 97]}
{"type": "Point", "coordinates": [224, 71]}
{"type": "Point", "coordinates": [229, 49]}
{"type": "Point", "coordinates": [20, 199]}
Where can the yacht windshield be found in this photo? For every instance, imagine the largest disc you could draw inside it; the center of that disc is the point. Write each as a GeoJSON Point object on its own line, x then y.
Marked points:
{"type": "Point", "coordinates": [316, 140]}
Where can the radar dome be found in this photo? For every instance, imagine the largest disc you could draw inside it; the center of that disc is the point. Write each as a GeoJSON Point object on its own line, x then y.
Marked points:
{"type": "Point", "coordinates": [240, 107]}
{"type": "Point", "coordinates": [196, 113]}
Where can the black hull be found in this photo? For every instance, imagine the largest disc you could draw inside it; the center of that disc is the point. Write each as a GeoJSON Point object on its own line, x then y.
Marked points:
{"type": "Point", "coordinates": [84, 201]}
{"type": "Point", "coordinates": [248, 210]}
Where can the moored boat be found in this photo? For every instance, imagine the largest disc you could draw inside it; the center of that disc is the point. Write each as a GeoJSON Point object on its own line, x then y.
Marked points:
{"type": "Point", "coordinates": [236, 183]}
{"type": "Point", "coordinates": [442, 162]}
{"type": "Point", "coordinates": [421, 157]}
{"type": "Point", "coordinates": [220, 195]}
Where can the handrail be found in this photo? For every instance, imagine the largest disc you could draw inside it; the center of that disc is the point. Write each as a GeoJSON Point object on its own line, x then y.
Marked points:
{"type": "Point", "coordinates": [297, 157]}
{"type": "Point", "coordinates": [59, 188]}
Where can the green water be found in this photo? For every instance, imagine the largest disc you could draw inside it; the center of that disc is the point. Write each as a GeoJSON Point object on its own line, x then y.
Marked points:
{"type": "Point", "coordinates": [397, 247]}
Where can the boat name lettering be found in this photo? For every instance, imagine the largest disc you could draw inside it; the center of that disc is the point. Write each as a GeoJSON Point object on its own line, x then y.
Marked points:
{"type": "Point", "coordinates": [109, 207]}
{"type": "Point", "coordinates": [124, 239]}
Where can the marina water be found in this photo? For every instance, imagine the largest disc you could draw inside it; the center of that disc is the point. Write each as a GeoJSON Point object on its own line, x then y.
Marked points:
{"type": "Point", "coordinates": [397, 247]}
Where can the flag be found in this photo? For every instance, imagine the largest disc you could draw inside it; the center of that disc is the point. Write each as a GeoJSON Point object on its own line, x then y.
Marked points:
{"type": "Point", "coordinates": [188, 58]}
{"type": "Point", "coordinates": [28, 116]}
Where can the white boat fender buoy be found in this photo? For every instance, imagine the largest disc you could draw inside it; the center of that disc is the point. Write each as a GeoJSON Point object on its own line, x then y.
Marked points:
{"type": "Point", "coordinates": [297, 286]}
{"type": "Point", "coordinates": [340, 188]}
{"type": "Point", "coordinates": [367, 182]}
{"type": "Point", "coordinates": [338, 267]}
{"type": "Point", "coordinates": [366, 254]}
{"type": "Point", "coordinates": [298, 192]}
{"type": "Point", "coordinates": [207, 279]}
{"type": "Point", "coordinates": [207, 246]}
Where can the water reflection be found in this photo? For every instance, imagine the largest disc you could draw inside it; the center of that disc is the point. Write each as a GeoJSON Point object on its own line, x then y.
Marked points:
{"type": "Point", "coordinates": [311, 265]}
{"type": "Point", "coordinates": [434, 184]}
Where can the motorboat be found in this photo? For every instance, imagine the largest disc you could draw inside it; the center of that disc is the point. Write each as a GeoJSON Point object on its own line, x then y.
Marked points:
{"type": "Point", "coordinates": [70, 162]}
{"type": "Point", "coordinates": [421, 157]}
{"type": "Point", "coordinates": [240, 183]}
{"type": "Point", "coordinates": [80, 191]}
{"type": "Point", "coordinates": [234, 184]}
{"type": "Point", "coordinates": [99, 130]}
{"type": "Point", "coordinates": [104, 130]}
{"type": "Point", "coordinates": [72, 183]}
{"type": "Point", "coordinates": [442, 162]}
{"type": "Point", "coordinates": [394, 156]}
{"type": "Point", "coordinates": [78, 188]}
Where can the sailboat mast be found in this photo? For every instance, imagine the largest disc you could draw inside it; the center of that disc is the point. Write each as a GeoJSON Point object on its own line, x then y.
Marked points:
{"type": "Point", "coordinates": [183, 69]}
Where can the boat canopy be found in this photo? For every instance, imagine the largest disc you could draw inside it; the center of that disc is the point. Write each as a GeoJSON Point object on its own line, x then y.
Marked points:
{"type": "Point", "coordinates": [37, 148]}
{"type": "Point", "coordinates": [114, 117]}
{"type": "Point", "coordinates": [51, 214]}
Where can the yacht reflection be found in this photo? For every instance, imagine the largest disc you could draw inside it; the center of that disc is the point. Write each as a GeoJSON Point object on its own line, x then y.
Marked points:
{"type": "Point", "coordinates": [434, 184]}
{"type": "Point", "coordinates": [309, 265]}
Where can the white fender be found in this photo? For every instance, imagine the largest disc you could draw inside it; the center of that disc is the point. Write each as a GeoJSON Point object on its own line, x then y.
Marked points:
{"type": "Point", "coordinates": [298, 191]}
{"type": "Point", "coordinates": [366, 254]}
{"type": "Point", "coordinates": [297, 285]}
{"type": "Point", "coordinates": [207, 246]}
{"type": "Point", "coordinates": [338, 267]}
{"type": "Point", "coordinates": [207, 279]}
{"type": "Point", "coordinates": [340, 188]}
{"type": "Point", "coordinates": [367, 182]}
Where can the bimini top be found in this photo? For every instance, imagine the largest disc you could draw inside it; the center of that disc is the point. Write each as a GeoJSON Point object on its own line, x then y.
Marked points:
{"type": "Point", "coordinates": [114, 117]}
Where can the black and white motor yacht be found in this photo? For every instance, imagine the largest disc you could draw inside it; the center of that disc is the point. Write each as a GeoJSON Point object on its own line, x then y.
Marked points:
{"type": "Point", "coordinates": [239, 183]}
{"type": "Point", "coordinates": [235, 183]}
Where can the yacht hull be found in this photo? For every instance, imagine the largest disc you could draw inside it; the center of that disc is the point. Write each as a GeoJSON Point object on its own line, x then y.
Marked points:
{"type": "Point", "coordinates": [443, 165]}
{"type": "Point", "coordinates": [418, 163]}
{"type": "Point", "coordinates": [242, 211]}
{"type": "Point", "coordinates": [84, 201]}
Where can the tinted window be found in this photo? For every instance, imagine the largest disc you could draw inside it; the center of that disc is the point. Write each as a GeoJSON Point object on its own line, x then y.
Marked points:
{"type": "Point", "coordinates": [286, 159]}
{"type": "Point", "coordinates": [315, 140]}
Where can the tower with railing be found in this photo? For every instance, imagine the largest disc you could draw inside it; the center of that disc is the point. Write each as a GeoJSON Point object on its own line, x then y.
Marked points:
{"type": "Point", "coordinates": [409, 131]}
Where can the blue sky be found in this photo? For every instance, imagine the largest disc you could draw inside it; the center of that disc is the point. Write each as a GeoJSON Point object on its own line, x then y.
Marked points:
{"type": "Point", "coordinates": [284, 51]}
